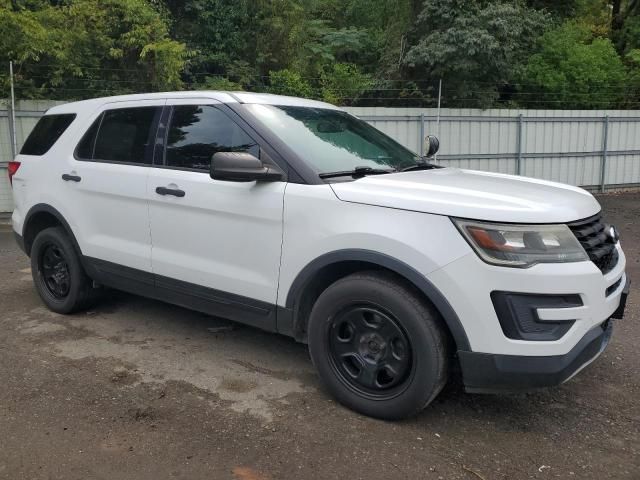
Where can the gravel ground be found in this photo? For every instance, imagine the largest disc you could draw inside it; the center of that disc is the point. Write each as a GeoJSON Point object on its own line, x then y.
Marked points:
{"type": "Point", "coordinates": [140, 389]}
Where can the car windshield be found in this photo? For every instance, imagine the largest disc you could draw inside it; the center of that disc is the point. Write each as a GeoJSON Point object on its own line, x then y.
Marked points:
{"type": "Point", "coordinates": [332, 140]}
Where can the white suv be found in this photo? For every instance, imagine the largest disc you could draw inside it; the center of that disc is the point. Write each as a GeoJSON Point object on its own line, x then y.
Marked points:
{"type": "Point", "coordinates": [295, 217]}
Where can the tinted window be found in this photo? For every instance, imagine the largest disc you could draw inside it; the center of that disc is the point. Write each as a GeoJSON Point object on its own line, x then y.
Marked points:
{"type": "Point", "coordinates": [197, 132]}
{"type": "Point", "coordinates": [124, 135]}
{"type": "Point", "coordinates": [84, 150]}
{"type": "Point", "coordinates": [45, 133]}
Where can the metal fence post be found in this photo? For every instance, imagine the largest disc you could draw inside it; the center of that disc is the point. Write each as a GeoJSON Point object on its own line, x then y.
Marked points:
{"type": "Point", "coordinates": [421, 139]}
{"type": "Point", "coordinates": [605, 143]}
{"type": "Point", "coordinates": [519, 146]}
{"type": "Point", "coordinates": [11, 130]}
{"type": "Point", "coordinates": [12, 116]}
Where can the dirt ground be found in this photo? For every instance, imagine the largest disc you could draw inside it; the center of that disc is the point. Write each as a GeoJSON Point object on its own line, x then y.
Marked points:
{"type": "Point", "coordinates": [139, 389]}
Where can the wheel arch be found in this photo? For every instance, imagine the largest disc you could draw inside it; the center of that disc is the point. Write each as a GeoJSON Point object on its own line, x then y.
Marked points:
{"type": "Point", "coordinates": [43, 216]}
{"type": "Point", "coordinates": [328, 268]}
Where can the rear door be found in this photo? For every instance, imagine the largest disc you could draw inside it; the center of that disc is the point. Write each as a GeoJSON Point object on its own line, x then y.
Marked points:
{"type": "Point", "coordinates": [106, 183]}
{"type": "Point", "coordinates": [215, 243]}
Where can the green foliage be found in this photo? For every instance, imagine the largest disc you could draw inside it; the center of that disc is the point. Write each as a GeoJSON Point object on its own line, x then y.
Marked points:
{"type": "Point", "coordinates": [288, 82]}
{"type": "Point", "coordinates": [576, 70]}
{"type": "Point", "coordinates": [629, 36]}
{"type": "Point", "coordinates": [89, 47]}
{"type": "Point", "coordinates": [633, 90]}
{"type": "Point", "coordinates": [343, 83]}
{"type": "Point", "coordinates": [473, 48]}
{"type": "Point", "coordinates": [219, 83]}
{"type": "Point", "coordinates": [220, 31]}
{"type": "Point", "coordinates": [363, 52]}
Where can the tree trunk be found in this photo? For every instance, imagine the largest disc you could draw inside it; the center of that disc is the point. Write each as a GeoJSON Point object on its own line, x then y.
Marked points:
{"type": "Point", "coordinates": [616, 17]}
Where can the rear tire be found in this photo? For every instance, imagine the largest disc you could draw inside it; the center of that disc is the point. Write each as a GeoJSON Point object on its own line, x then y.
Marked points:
{"type": "Point", "coordinates": [57, 273]}
{"type": "Point", "coordinates": [378, 347]}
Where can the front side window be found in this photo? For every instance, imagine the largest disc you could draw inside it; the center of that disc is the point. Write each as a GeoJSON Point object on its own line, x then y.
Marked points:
{"type": "Point", "coordinates": [196, 132]}
{"type": "Point", "coordinates": [46, 133]}
{"type": "Point", "coordinates": [123, 136]}
{"type": "Point", "coordinates": [332, 140]}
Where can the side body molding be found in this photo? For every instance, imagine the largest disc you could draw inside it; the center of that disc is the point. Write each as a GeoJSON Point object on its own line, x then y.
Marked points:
{"type": "Point", "coordinates": [288, 314]}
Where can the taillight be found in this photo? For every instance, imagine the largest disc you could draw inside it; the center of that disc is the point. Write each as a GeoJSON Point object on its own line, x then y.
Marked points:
{"type": "Point", "coordinates": [12, 169]}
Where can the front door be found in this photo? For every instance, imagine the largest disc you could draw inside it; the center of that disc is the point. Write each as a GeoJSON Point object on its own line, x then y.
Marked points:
{"type": "Point", "coordinates": [215, 244]}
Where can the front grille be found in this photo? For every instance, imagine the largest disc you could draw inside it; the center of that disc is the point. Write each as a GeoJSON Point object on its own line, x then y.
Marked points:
{"type": "Point", "coordinates": [594, 238]}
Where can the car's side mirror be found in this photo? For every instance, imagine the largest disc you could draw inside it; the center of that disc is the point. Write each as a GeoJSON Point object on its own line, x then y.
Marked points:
{"type": "Point", "coordinates": [242, 167]}
{"type": "Point", "coordinates": [433, 145]}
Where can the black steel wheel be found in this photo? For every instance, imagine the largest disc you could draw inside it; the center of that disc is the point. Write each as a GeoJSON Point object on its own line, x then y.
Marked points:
{"type": "Point", "coordinates": [57, 272]}
{"type": "Point", "coordinates": [379, 347]}
{"type": "Point", "coordinates": [369, 350]}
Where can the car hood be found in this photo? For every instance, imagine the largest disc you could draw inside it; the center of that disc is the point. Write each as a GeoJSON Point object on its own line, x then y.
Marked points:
{"type": "Point", "coordinates": [472, 194]}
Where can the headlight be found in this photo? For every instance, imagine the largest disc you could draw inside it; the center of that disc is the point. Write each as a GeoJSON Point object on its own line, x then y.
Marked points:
{"type": "Point", "coordinates": [521, 246]}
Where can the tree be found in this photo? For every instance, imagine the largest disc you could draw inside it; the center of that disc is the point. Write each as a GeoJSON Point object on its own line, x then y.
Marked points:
{"type": "Point", "coordinates": [574, 69]}
{"type": "Point", "coordinates": [343, 84]}
{"type": "Point", "coordinates": [287, 82]}
{"type": "Point", "coordinates": [89, 48]}
{"type": "Point", "coordinates": [363, 52]}
{"type": "Point", "coordinates": [625, 24]}
{"type": "Point", "coordinates": [221, 32]}
{"type": "Point", "coordinates": [560, 9]}
{"type": "Point", "coordinates": [474, 48]}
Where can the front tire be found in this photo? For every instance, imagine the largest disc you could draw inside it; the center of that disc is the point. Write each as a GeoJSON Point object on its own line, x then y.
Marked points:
{"type": "Point", "coordinates": [57, 272]}
{"type": "Point", "coordinates": [378, 347]}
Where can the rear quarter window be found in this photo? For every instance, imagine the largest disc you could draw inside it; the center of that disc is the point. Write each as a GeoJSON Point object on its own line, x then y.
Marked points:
{"type": "Point", "coordinates": [46, 133]}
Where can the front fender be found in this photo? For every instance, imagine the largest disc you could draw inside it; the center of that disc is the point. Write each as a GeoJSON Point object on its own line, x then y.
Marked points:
{"type": "Point", "coordinates": [429, 290]}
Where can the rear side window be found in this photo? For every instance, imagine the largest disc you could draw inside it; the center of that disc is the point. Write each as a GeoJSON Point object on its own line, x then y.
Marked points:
{"type": "Point", "coordinates": [121, 136]}
{"type": "Point", "coordinates": [46, 133]}
{"type": "Point", "coordinates": [196, 132]}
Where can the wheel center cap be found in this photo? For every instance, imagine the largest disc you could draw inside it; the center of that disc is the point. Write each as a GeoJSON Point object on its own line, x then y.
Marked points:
{"type": "Point", "coordinates": [371, 346]}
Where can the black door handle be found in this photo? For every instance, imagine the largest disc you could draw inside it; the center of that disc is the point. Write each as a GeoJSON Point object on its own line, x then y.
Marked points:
{"type": "Point", "coordinates": [73, 178]}
{"type": "Point", "coordinates": [169, 191]}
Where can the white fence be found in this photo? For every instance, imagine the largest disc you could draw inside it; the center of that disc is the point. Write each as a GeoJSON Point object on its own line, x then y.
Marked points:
{"type": "Point", "coordinates": [595, 149]}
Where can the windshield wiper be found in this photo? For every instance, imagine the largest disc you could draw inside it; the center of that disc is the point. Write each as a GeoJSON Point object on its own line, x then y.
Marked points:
{"type": "Point", "coordinates": [424, 165]}
{"type": "Point", "coordinates": [358, 172]}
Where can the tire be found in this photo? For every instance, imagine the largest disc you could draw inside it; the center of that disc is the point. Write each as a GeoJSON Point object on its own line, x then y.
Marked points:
{"type": "Point", "coordinates": [378, 347]}
{"type": "Point", "coordinates": [57, 273]}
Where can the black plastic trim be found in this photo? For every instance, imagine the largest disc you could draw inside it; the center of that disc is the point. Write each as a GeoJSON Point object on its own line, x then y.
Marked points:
{"type": "Point", "coordinates": [195, 297]}
{"type": "Point", "coordinates": [518, 315]}
{"type": "Point", "coordinates": [412, 275]}
{"type": "Point", "coordinates": [161, 137]}
{"type": "Point", "coordinates": [43, 207]}
{"type": "Point", "coordinates": [19, 241]}
{"type": "Point", "coordinates": [619, 313]}
{"type": "Point", "coordinates": [492, 373]}
{"type": "Point", "coordinates": [612, 288]}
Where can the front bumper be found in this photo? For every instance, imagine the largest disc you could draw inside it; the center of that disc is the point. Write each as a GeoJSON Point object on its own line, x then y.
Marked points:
{"type": "Point", "coordinates": [491, 373]}
{"type": "Point", "coordinates": [580, 301]}
{"type": "Point", "coordinates": [468, 284]}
